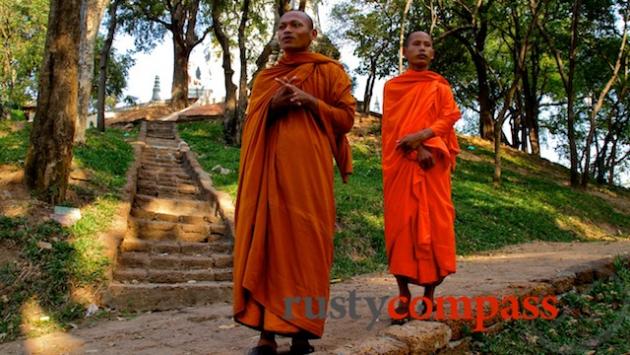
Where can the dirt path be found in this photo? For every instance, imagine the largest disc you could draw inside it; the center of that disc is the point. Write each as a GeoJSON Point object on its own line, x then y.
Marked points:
{"type": "Point", "coordinates": [210, 330]}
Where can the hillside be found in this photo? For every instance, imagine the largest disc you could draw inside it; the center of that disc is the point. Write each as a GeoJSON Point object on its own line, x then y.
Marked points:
{"type": "Point", "coordinates": [533, 203]}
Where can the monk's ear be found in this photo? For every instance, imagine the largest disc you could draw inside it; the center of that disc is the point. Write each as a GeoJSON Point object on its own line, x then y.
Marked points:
{"type": "Point", "coordinates": [313, 34]}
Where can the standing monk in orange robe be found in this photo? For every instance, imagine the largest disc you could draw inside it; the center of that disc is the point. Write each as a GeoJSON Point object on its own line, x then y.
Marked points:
{"type": "Point", "coordinates": [419, 149]}
{"type": "Point", "coordinates": [299, 112]}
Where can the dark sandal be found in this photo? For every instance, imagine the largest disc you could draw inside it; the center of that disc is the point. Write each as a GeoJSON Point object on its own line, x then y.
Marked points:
{"type": "Point", "coordinates": [262, 350]}
{"type": "Point", "coordinates": [402, 320]}
{"type": "Point", "coordinates": [301, 349]}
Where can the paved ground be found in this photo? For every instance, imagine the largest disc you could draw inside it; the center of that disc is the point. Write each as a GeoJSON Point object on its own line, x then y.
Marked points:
{"type": "Point", "coordinates": [210, 330]}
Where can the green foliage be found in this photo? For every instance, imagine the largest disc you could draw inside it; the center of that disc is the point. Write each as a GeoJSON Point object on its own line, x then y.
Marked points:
{"type": "Point", "coordinates": [372, 28]}
{"type": "Point", "coordinates": [594, 321]}
{"type": "Point", "coordinates": [22, 37]}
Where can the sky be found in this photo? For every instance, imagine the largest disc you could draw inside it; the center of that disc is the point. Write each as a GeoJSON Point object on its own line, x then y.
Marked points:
{"type": "Point", "coordinates": [160, 62]}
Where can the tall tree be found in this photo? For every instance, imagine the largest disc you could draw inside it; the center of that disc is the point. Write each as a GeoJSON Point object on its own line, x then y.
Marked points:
{"type": "Point", "coordinates": [602, 96]}
{"type": "Point", "coordinates": [188, 23]}
{"type": "Point", "coordinates": [567, 77]}
{"type": "Point", "coordinates": [469, 22]}
{"type": "Point", "coordinates": [49, 157]}
{"type": "Point", "coordinates": [230, 112]}
{"type": "Point", "coordinates": [242, 83]}
{"type": "Point", "coordinates": [103, 64]}
{"type": "Point", "coordinates": [369, 27]}
{"type": "Point", "coordinates": [91, 14]}
{"type": "Point", "coordinates": [520, 47]}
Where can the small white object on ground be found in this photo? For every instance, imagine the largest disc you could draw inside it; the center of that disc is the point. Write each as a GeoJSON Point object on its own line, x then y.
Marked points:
{"type": "Point", "coordinates": [66, 216]}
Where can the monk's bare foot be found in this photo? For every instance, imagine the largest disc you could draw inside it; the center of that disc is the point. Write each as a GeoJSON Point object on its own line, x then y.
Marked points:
{"type": "Point", "coordinates": [266, 345]}
{"type": "Point", "coordinates": [301, 346]}
{"type": "Point", "coordinates": [402, 311]}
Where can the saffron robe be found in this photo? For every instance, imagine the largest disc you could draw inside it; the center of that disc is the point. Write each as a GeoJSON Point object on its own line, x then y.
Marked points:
{"type": "Point", "coordinates": [419, 212]}
{"type": "Point", "coordinates": [285, 208]}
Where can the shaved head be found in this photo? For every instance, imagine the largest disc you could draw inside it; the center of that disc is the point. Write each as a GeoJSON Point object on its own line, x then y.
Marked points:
{"type": "Point", "coordinates": [303, 14]}
{"type": "Point", "coordinates": [413, 34]}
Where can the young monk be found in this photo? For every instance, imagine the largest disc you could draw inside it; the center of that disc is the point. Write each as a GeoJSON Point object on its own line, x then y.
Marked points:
{"type": "Point", "coordinates": [419, 149]}
{"type": "Point", "coordinates": [298, 114]}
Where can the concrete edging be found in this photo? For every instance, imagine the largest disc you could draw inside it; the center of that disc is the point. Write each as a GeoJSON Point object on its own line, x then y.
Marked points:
{"type": "Point", "coordinates": [449, 337]}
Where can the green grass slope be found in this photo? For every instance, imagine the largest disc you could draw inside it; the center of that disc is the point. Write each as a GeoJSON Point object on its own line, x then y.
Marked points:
{"type": "Point", "coordinates": [533, 202]}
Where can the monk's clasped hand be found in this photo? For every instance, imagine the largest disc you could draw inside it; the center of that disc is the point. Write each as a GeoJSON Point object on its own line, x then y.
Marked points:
{"type": "Point", "coordinates": [425, 158]}
{"type": "Point", "coordinates": [297, 96]}
{"type": "Point", "coordinates": [409, 142]}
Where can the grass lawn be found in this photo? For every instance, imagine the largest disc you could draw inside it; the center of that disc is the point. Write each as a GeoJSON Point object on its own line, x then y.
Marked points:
{"type": "Point", "coordinates": [48, 272]}
{"type": "Point", "coordinates": [531, 204]}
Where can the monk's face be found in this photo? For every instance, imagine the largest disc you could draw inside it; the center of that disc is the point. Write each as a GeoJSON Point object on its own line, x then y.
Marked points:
{"type": "Point", "coordinates": [295, 32]}
{"type": "Point", "coordinates": [419, 51]}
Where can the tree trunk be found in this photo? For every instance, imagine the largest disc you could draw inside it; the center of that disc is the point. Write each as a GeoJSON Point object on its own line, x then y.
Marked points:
{"type": "Point", "coordinates": [302, 5]}
{"type": "Point", "coordinates": [91, 15]}
{"type": "Point", "coordinates": [102, 66]}
{"type": "Point", "coordinates": [531, 113]}
{"type": "Point", "coordinates": [179, 87]}
{"type": "Point", "coordinates": [600, 161]}
{"type": "Point", "coordinates": [242, 84]}
{"type": "Point", "coordinates": [486, 105]}
{"type": "Point", "coordinates": [229, 124]}
{"type": "Point", "coordinates": [49, 157]}
{"type": "Point", "coordinates": [573, 156]}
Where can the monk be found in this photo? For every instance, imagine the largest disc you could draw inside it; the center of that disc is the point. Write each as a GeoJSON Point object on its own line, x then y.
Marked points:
{"type": "Point", "coordinates": [299, 112]}
{"type": "Point", "coordinates": [419, 150]}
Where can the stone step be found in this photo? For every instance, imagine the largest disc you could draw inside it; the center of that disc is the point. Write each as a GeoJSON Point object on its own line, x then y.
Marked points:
{"type": "Point", "coordinates": [184, 188]}
{"type": "Point", "coordinates": [146, 165]}
{"type": "Point", "coordinates": [161, 142]}
{"type": "Point", "coordinates": [175, 218]}
{"type": "Point", "coordinates": [167, 261]}
{"type": "Point", "coordinates": [160, 150]}
{"type": "Point", "coordinates": [160, 230]}
{"type": "Point", "coordinates": [161, 134]}
{"type": "Point", "coordinates": [218, 246]}
{"type": "Point", "coordinates": [161, 297]}
{"type": "Point", "coordinates": [163, 179]}
{"type": "Point", "coordinates": [169, 192]}
{"type": "Point", "coordinates": [139, 275]}
{"type": "Point", "coordinates": [182, 207]}
{"type": "Point", "coordinates": [168, 173]}
{"type": "Point", "coordinates": [168, 157]}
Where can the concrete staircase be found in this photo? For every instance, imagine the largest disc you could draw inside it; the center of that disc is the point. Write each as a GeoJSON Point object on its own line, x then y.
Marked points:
{"type": "Point", "coordinates": [177, 251]}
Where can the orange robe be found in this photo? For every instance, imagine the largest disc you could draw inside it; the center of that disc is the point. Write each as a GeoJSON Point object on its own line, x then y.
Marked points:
{"type": "Point", "coordinates": [419, 212]}
{"type": "Point", "coordinates": [285, 208]}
